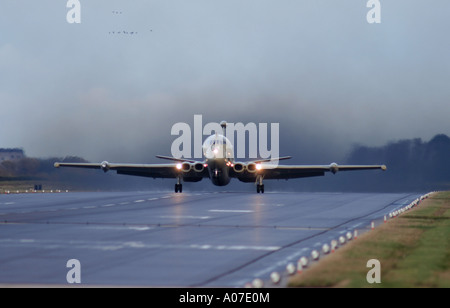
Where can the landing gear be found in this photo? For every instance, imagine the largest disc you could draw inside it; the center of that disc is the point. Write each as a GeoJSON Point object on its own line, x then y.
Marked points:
{"type": "Point", "coordinates": [260, 188]}
{"type": "Point", "coordinates": [178, 186]}
{"type": "Point", "coordinates": [259, 185]}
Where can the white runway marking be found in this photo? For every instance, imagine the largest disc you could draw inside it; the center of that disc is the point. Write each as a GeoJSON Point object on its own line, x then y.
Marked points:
{"type": "Point", "coordinates": [185, 217]}
{"type": "Point", "coordinates": [231, 211]}
{"type": "Point", "coordinates": [133, 228]}
{"type": "Point", "coordinates": [112, 246]}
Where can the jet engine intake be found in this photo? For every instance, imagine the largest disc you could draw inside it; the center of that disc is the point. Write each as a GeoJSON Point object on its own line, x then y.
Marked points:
{"type": "Point", "coordinates": [198, 167]}
{"type": "Point", "coordinates": [239, 167]}
{"type": "Point", "coordinates": [251, 168]}
{"type": "Point", "coordinates": [186, 167]}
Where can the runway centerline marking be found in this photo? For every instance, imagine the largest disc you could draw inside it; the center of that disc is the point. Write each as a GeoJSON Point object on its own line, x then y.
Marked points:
{"type": "Point", "coordinates": [185, 217]}
{"type": "Point", "coordinates": [231, 211]}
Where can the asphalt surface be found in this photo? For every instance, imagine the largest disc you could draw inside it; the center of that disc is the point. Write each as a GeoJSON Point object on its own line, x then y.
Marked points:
{"type": "Point", "coordinates": [224, 239]}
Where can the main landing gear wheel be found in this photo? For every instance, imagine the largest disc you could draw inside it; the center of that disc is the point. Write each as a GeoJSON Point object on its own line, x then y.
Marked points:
{"type": "Point", "coordinates": [259, 188]}
{"type": "Point", "coordinates": [178, 188]}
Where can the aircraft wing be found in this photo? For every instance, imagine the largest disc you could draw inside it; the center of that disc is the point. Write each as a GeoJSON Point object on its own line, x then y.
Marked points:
{"type": "Point", "coordinates": [144, 170]}
{"type": "Point", "coordinates": [300, 171]}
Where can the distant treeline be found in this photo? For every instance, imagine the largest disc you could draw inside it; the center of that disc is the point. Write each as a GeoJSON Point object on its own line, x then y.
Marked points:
{"type": "Point", "coordinates": [32, 167]}
{"type": "Point", "coordinates": [413, 166]}
{"type": "Point", "coordinates": [42, 170]}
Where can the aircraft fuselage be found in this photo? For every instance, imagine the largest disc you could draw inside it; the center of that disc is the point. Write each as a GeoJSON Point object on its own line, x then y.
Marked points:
{"type": "Point", "coordinates": [218, 171]}
{"type": "Point", "coordinates": [218, 152]}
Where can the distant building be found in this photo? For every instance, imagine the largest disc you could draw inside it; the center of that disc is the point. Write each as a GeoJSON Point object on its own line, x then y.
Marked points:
{"type": "Point", "coordinates": [11, 154]}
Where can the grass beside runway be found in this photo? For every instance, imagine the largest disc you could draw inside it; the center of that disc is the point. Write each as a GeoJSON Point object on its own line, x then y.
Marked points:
{"type": "Point", "coordinates": [413, 250]}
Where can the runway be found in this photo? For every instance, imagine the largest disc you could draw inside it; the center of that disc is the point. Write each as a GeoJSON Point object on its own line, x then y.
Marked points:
{"type": "Point", "coordinates": [217, 239]}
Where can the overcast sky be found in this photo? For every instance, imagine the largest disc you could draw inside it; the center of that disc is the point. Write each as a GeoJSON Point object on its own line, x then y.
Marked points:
{"type": "Point", "coordinates": [317, 67]}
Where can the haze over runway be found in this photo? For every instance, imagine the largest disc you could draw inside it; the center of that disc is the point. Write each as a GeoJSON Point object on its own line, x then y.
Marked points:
{"type": "Point", "coordinates": [318, 68]}
{"type": "Point", "coordinates": [215, 239]}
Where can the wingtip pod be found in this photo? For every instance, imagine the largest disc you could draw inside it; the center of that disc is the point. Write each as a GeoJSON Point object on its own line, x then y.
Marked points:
{"type": "Point", "coordinates": [383, 167]}
{"type": "Point", "coordinates": [105, 166]}
{"type": "Point", "coordinates": [334, 168]}
{"type": "Point", "coordinates": [56, 165]}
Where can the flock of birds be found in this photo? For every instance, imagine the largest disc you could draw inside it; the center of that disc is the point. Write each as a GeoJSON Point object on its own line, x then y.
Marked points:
{"type": "Point", "coordinates": [123, 32]}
